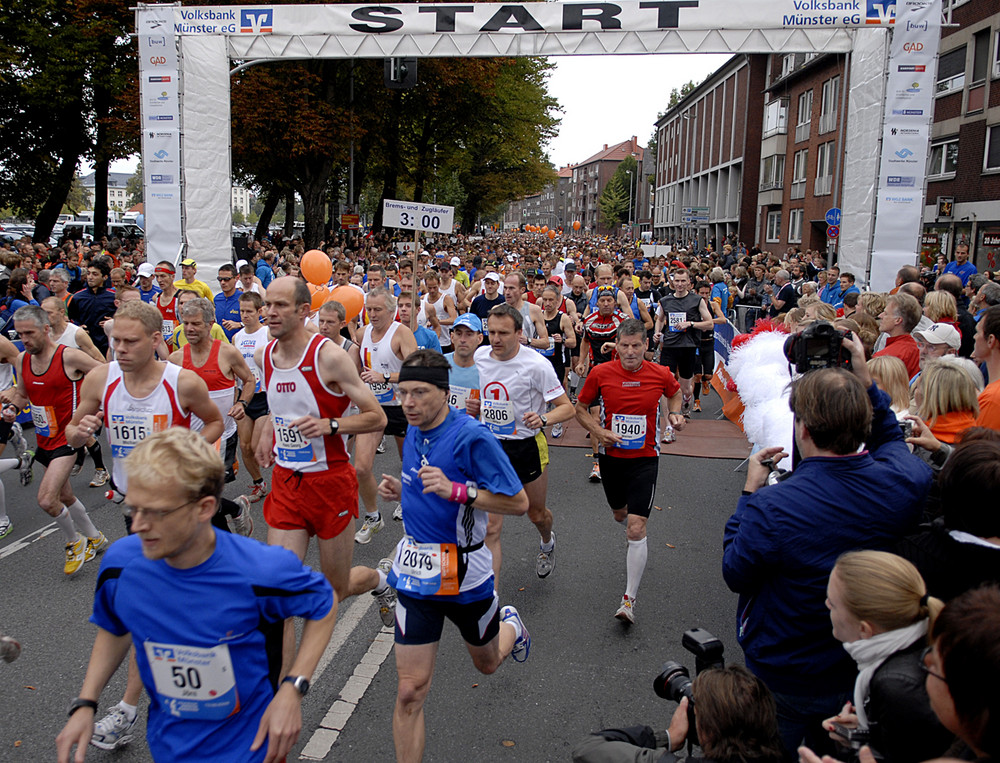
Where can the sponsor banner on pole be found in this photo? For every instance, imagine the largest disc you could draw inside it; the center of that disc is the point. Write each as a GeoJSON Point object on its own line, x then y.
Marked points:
{"type": "Point", "coordinates": [517, 18]}
{"type": "Point", "coordinates": [159, 108]}
{"type": "Point", "coordinates": [910, 87]}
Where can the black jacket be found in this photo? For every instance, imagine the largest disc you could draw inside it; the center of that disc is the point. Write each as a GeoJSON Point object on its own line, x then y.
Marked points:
{"type": "Point", "coordinates": [948, 566]}
{"type": "Point", "coordinates": [903, 727]}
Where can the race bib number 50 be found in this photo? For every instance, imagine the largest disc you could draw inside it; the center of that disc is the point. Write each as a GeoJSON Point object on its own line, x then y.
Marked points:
{"type": "Point", "coordinates": [194, 682]}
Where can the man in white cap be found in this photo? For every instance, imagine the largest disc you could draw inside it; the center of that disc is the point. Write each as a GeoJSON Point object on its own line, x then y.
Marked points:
{"type": "Point", "coordinates": [937, 341]}
{"type": "Point", "coordinates": [147, 286]}
{"type": "Point", "coordinates": [459, 271]}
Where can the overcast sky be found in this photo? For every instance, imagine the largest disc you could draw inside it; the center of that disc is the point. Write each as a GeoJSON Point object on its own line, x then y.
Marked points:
{"type": "Point", "coordinates": [605, 99]}
{"type": "Point", "coordinates": [608, 99]}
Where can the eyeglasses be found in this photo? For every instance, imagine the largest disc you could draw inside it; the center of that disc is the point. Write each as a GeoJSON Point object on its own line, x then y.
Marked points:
{"type": "Point", "coordinates": [924, 667]}
{"type": "Point", "coordinates": [154, 515]}
{"type": "Point", "coordinates": [224, 280]}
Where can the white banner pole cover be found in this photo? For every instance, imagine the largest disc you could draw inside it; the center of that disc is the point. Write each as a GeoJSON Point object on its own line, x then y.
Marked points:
{"type": "Point", "coordinates": [442, 19]}
{"type": "Point", "coordinates": [159, 109]}
{"type": "Point", "coordinates": [909, 108]}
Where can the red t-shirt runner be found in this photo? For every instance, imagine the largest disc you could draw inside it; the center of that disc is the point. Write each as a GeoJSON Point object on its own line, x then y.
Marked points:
{"type": "Point", "coordinates": [630, 404]}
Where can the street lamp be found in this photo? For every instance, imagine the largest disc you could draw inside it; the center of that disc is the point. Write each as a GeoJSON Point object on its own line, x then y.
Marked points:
{"type": "Point", "coordinates": [629, 173]}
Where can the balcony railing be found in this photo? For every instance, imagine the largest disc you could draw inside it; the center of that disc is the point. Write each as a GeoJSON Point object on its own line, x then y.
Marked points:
{"type": "Point", "coordinates": [823, 186]}
{"type": "Point", "coordinates": [827, 122]}
{"type": "Point", "coordinates": [798, 190]}
{"type": "Point", "coordinates": [772, 185]}
{"type": "Point", "coordinates": [802, 132]}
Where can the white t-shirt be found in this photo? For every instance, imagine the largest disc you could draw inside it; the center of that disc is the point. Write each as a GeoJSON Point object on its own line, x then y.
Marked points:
{"type": "Point", "coordinates": [509, 389]}
{"type": "Point", "coordinates": [248, 344]}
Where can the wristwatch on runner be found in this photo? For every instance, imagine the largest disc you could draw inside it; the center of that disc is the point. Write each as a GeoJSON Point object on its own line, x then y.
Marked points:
{"type": "Point", "coordinates": [334, 426]}
{"type": "Point", "coordinates": [473, 494]}
{"type": "Point", "coordinates": [301, 684]}
{"type": "Point", "coordinates": [387, 377]}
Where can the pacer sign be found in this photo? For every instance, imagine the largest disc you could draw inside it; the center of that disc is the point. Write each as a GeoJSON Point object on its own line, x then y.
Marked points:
{"type": "Point", "coordinates": [518, 18]}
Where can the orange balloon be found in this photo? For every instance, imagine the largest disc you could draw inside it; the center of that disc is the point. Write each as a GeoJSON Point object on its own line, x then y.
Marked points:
{"type": "Point", "coordinates": [351, 298]}
{"type": "Point", "coordinates": [316, 267]}
{"type": "Point", "coordinates": [552, 234]}
{"type": "Point", "coordinates": [319, 295]}
{"type": "Point", "coordinates": [576, 225]}
{"type": "Point", "coordinates": [545, 229]}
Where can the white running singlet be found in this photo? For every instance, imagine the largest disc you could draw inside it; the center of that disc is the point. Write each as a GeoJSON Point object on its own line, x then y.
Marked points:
{"type": "Point", "coordinates": [68, 337]}
{"type": "Point", "coordinates": [379, 357]}
{"type": "Point", "coordinates": [130, 420]}
{"type": "Point", "coordinates": [248, 345]}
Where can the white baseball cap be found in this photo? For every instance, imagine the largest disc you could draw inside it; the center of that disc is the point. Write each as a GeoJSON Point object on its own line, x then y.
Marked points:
{"type": "Point", "coordinates": [145, 270]}
{"type": "Point", "coordinates": [941, 333]}
{"type": "Point", "coordinates": [456, 262]}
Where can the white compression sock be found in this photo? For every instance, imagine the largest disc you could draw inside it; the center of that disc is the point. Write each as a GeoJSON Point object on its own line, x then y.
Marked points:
{"type": "Point", "coordinates": [82, 520]}
{"type": "Point", "coordinates": [6, 464]}
{"type": "Point", "coordinates": [635, 564]}
{"type": "Point", "coordinates": [65, 523]}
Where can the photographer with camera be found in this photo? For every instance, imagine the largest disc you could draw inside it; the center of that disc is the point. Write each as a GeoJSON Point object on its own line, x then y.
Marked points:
{"type": "Point", "coordinates": [735, 723]}
{"type": "Point", "coordinates": [784, 539]}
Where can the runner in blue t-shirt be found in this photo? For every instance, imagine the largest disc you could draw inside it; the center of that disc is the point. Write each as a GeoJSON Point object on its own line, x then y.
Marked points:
{"type": "Point", "coordinates": [454, 472]}
{"type": "Point", "coordinates": [466, 336]}
{"type": "Point", "coordinates": [201, 641]}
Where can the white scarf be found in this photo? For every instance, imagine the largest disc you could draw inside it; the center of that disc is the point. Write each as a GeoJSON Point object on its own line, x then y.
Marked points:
{"type": "Point", "coordinates": [870, 653]}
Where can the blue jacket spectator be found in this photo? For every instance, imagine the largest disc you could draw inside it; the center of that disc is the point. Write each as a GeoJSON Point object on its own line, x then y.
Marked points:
{"type": "Point", "coordinates": [90, 307]}
{"type": "Point", "coordinates": [784, 539]}
{"type": "Point", "coordinates": [844, 287]}
{"type": "Point", "coordinates": [264, 270]}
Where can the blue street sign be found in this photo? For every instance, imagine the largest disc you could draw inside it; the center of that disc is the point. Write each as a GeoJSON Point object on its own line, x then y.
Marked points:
{"type": "Point", "coordinates": [833, 216]}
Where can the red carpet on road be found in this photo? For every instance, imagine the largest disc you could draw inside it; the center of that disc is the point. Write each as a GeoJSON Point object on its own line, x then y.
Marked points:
{"type": "Point", "coordinates": [701, 438]}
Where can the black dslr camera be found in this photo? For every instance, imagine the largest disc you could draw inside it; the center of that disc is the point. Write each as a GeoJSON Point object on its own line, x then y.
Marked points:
{"type": "Point", "coordinates": [674, 680]}
{"type": "Point", "coordinates": [819, 345]}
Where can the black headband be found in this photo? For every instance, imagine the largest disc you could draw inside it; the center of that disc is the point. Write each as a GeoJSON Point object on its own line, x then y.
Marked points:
{"type": "Point", "coordinates": [436, 376]}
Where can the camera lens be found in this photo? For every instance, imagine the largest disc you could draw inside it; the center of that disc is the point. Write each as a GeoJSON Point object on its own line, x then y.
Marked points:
{"type": "Point", "coordinates": [673, 683]}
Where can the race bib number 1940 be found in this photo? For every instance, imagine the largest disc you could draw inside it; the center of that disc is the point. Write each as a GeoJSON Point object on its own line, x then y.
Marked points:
{"type": "Point", "coordinates": [632, 430]}
{"type": "Point", "coordinates": [194, 682]}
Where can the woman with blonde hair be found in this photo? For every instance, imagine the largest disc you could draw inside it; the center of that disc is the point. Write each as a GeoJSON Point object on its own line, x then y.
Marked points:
{"type": "Point", "coordinates": [940, 307]}
{"type": "Point", "coordinates": [889, 375]}
{"type": "Point", "coordinates": [872, 303]}
{"type": "Point", "coordinates": [880, 610]}
{"type": "Point", "coordinates": [947, 396]}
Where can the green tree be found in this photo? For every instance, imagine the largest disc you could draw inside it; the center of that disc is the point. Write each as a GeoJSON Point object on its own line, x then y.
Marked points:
{"type": "Point", "coordinates": [676, 95]}
{"type": "Point", "coordinates": [238, 218]}
{"type": "Point", "coordinates": [134, 193]}
{"type": "Point", "coordinates": [613, 203]}
{"type": "Point", "coordinates": [64, 94]}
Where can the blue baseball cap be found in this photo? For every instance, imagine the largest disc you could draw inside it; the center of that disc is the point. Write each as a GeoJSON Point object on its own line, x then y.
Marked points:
{"type": "Point", "coordinates": [470, 321]}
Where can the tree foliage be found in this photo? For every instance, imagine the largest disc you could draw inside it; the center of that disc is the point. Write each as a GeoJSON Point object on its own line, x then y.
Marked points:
{"type": "Point", "coordinates": [64, 94]}
{"type": "Point", "coordinates": [676, 95]}
{"type": "Point", "coordinates": [134, 193]}
{"type": "Point", "coordinates": [613, 202]}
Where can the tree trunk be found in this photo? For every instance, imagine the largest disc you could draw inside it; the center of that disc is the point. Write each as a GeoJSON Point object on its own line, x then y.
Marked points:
{"type": "Point", "coordinates": [390, 180]}
{"type": "Point", "coordinates": [47, 216]}
{"type": "Point", "coordinates": [101, 168]}
{"type": "Point", "coordinates": [289, 213]}
{"type": "Point", "coordinates": [270, 204]}
{"type": "Point", "coordinates": [313, 194]}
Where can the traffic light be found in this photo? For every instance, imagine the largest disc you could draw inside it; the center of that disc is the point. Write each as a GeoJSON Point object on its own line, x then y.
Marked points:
{"type": "Point", "coordinates": [400, 73]}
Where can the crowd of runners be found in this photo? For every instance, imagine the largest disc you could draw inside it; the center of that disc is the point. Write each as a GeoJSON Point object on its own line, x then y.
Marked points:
{"type": "Point", "coordinates": [467, 354]}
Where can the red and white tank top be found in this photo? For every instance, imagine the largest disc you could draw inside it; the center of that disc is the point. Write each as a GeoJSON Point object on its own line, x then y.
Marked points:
{"type": "Point", "coordinates": [129, 419]}
{"type": "Point", "coordinates": [296, 392]}
{"type": "Point", "coordinates": [220, 387]}
{"type": "Point", "coordinates": [52, 396]}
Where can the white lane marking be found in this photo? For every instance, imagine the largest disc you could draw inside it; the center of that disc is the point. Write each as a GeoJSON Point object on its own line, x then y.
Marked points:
{"type": "Point", "coordinates": [346, 623]}
{"type": "Point", "coordinates": [324, 737]}
{"type": "Point", "coordinates": [28, 539]}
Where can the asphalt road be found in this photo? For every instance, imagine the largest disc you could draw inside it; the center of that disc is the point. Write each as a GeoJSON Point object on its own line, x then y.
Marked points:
{"type": "Point", "coordinates": [586, 670]}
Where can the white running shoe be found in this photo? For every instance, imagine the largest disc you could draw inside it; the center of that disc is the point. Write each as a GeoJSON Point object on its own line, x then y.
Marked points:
{"type": "Point", "coordinates": [397, 513]}
{"type": "Point", "coordinates": [522, 644]}
{"type": "Point", "coordinates": [113, 730]}
{"type": "Point", "coordinates": [386, 599]}
{"type": "Point", "coordinates": [557, 430]}
{"type": "Point", "coordinates": [242, 523]}
{"type": "Point", "coordinates": [626, 611]}
{"type": "Point", "coordinates": [668, 435]}
{"type": "Point", "coordinates": [368, 529]}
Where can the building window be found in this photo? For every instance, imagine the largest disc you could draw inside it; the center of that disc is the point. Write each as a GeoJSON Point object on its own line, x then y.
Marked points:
{"type": "Point", "coordinates": [951, 71]}
{"type": "Point", "coordinates": [773, 227]}
{"type": "Point", "coordinates": [772, 173]}
{"type": "Point", "coordinates": [795, 217]}
{"type": "Point", "coordinates": [800, 165]}
{"type": "Point", "coordinates": [828, 107]}
{"type": "Point", "coordinates": [824, 169]}
{"type": "Point", "coordinates": [787, 64]}
{"type": "Point", "coordinates": [776, 118]}
{"type": "Point", "coordinates": [944, 158]}
{"type": "Point", "coordinates": [804, 119]}
{"type": "Point", "coordinates": [993, 149]}
{"type": "Point", "coordinates": [996, 57]}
